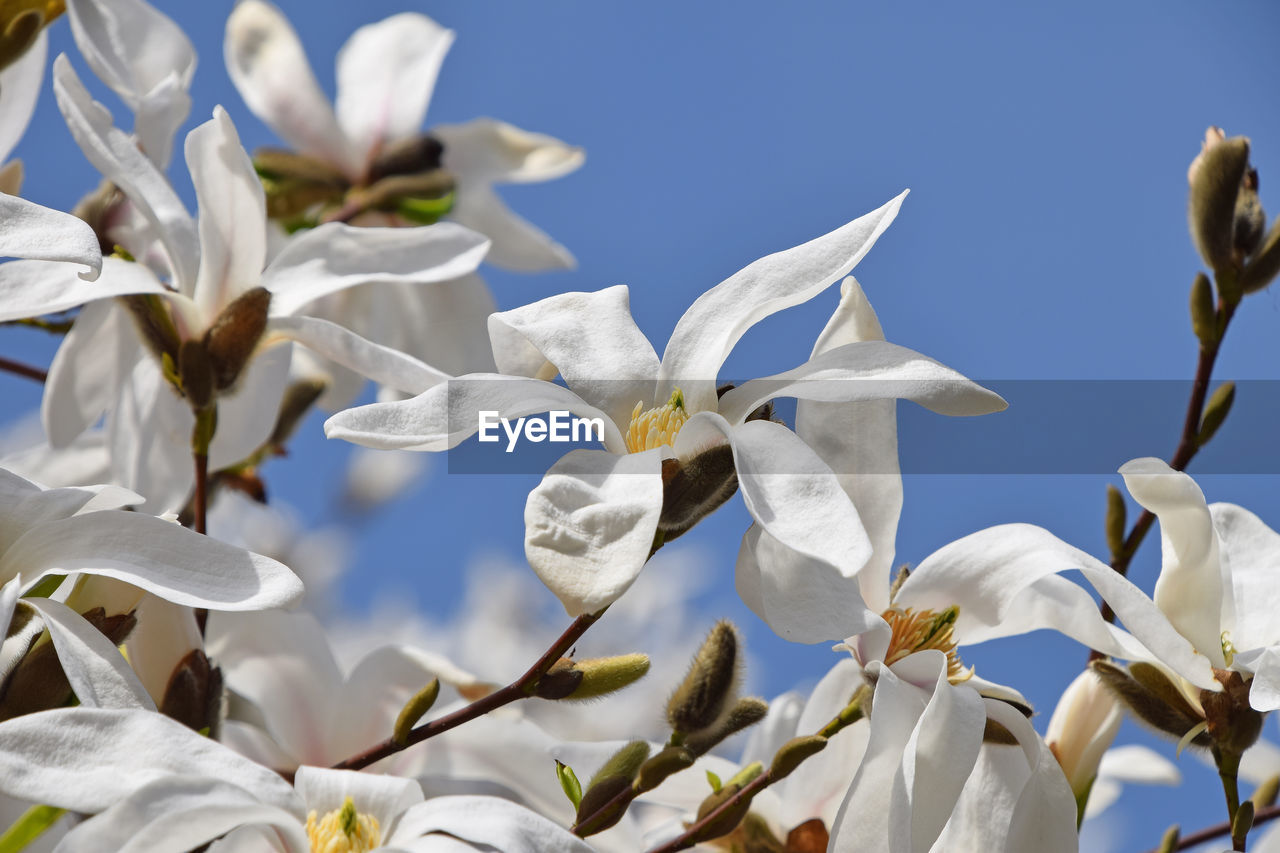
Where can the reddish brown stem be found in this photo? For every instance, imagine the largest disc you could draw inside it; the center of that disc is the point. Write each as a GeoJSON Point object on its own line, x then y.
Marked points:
{"type": "Point", "coordinates": [1218, 830]}
{"type": "Point", "coordinates": [690, 836]}
{"type": "Point", "coordinates": [21, 369]}
{"type": "Point", "coordinates": [521, 688]}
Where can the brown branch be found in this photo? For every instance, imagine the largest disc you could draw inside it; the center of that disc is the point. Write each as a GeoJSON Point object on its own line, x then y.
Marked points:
{"type": "Point", "coordinates": [1186, 842]}
{"type": "Point", "coordinates": [521, 688]}
{"type": "Point", "coordinates": [21, 369]}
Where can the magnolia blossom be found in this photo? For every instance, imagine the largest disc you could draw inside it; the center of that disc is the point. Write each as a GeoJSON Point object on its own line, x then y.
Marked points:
{"type": "Point", "coordinates": [211, 270]}
{"type": "Point", "coordinates": [155, 785]}
{"type": "Point", "coordinates": [592, 521]}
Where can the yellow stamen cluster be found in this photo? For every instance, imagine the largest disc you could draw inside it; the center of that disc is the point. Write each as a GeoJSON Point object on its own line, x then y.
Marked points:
{"type": "Point", "coordinates": [918, 630]}
{"type": "Point", "coordinates": [657, 426]}
{"type": "Point", "coordinates": [1228, 648]}
{"type": "Point", "coordinates": [343, 830]}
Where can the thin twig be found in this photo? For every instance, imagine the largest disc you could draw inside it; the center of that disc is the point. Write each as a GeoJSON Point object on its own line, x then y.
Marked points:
{"type": "Point", "coordinates": [23, 369]}
{"type": "Point", "coordinates": [521, 688]}
{"type": "Point", "coordinates": [1218, 830]}
{"type": "Point", "coordinates": [689, 837]}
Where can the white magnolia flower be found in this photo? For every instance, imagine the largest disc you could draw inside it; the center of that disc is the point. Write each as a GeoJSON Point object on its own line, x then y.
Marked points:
{"type": "Point", "coordinates": [386, 74]}
{"type": "Point", "coordinates": [154, 785]}
{"type": "Point", "coordinates": [103, 366]}
{"type": "Point", "coordinates": [80, 532]}
{"type": "Point", "coordinates": [591, 523]}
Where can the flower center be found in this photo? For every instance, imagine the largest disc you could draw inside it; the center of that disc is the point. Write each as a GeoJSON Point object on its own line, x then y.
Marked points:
{"type": "Point", "coordinates": [918, 630]}
{"type": "Point", "coordinates": [1228, 648]}
{"type": "Point", "coordinates": [657, 426]}
{"type": "Point", "coordinates": [343, 830]}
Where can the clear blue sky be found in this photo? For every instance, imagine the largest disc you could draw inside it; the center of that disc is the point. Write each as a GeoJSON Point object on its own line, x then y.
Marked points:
{"type": "Point", "coordinates": [1046, 148]}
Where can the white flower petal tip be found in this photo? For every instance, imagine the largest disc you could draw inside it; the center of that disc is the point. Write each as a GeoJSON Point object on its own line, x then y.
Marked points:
{"type": "Point", "coordinates": [590, 525]}
{"type": "Point", "coordinates": [38, 233]}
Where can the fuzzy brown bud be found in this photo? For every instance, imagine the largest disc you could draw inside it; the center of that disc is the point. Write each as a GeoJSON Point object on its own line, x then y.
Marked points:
{"type": "Point", "coordinates": [422, 153]}
{"type": "Point", "coordinates": [1152, 698]}
{"type": "Point", "coordinates": [1232, 722]}
{"type": "Point", "coordinates": [710, 684]}
{"type": "Point", "coordinates": [1265, 265]}
{"type": "Point", "coordinates": [235, 333]}
{"type": "Point", "coordinates": [559, 681]}
{"type": "Point", "coordinates": [299, 397]}
{"type": "Point", "coordinates": [195, 372]}
{"type": "Point", "coordinates": [694, 488]}
{"type": "Point", "coordinates": [1216, 181]}
{"type": "Point", "coordinates": [193, 695]}
{"type": "Point", "coordinates": [154, 324]}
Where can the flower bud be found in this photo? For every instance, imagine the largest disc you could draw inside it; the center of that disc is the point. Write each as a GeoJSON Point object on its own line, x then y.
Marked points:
{"type": "Point", "coordinates": [610, 781]}
{"type": "Point", "coordinates": [387, 193]}
{"type": "Point", "coordinates": [745, 712]}
{"type": "Point", "coordinates": [413, 710]}
{"type": "Point", "coordinates": [1241, 824]}
{"type": "Point", "coordinates": [193, 695]}
{"type": "Point", "coordinates": [1115, 521]}
{"type": "Point", "coordinates": [602, 676]}
{"type": "Point", "coordinates": [694, 488]}
{"type": "Point", "coordinates": [559, 681]}
{"type": "Point", "coordinates": [1232, 722]}
{"type": "Point", "coordinates": [422, 153]}
{"type": "Point", "coordinates": [1265, 264]}
{"type": "Point", "coordinates": [655, 771]}
{"type": "Point", "coordinates": [1216, 411]}
{"type": "Point", "coordinates": [1216, 178]}
{"type": "Point", "coordinates": [1082, 728]}
{"type": "Point", "coordinates": [299, 397]}
{"type": "Point", "coordinates": [1264, 796]}
{"type": "Point", "coordinates": [1204, 317]}
{"type": "Point", "coordinates": [704, 695]}
{"type": "Point", "coordinates": [1155, 700]}
{"type": "Point", "coordinates": [727, 821]}
{"type": "Point", "coordinates": [235, 333]}
{"type": "Point", "coordinates": [275, 164]}
{"type": "Point", "coordinates": [1169, 841]}
{"type": "Point", "coordinates": [793, 753]}
{"type": "Point", "coordinates": [154, 324]}
{"type": "Point", "coordinates": [195, 372]}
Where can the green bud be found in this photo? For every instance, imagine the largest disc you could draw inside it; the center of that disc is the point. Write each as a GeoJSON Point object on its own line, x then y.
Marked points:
{"type": "Point", "coordinates": [602, 676]}
{"type": "Point", "coordinates": [793, 753]}
{"type": "Point", "coordinates": [1115, 521]}
{"type": "Point", "coordinates": [290, 200]}
{"type": "Point", "coordinates": [694, 488]}
{"type": "Point", "coordinates": [612, 779]}
{"type": "Point", "coordinates": [234, 335]}
{"type": "Point", "coordinates": [1169, 841]}
{"type": "Point", "coordinates": [1262, 269]}
{"type": "Point", "coordinates": [413, 710]}
{"type": "Point", "coordinates": [195, 372]}
{"type": "Point", "coordinates": [669, 761]}
{"type": "Point", "coordinates": [1211, 210]}
{"type": "Point", "coordinates": [1204, 317]}
{"type": "Point", "coordinates": [560, 680]}
{"type": "Point", "coordinates": [745, 712]}
{"type": "Point", "coordinates": [425, 211]}
{"type": "Point", "coordinates": [1241, 824]}
{"type": "Point", "coordinates": [704, 695]}
{"type": "Point", "coordinates": [1152, 699]}
{"type": "Point", "coordinates": [193, 695]}
{"type": "Point", "coordinates": [850, 714]}
{"type": "Point", "coordinates": [1216, 411]}
{"type": "Point", "coordinates": [727, 821]}
{"type": "Point", "coordinates": [1264, 795]}
{"type": "Point", "coordinates": [569, 783]}
{"type": "Point", "coordinates": [275, 164]}
{"type": "Point", "coordinates": [625, 763]}
{"type": "Point", "coordinates": [387, 193]}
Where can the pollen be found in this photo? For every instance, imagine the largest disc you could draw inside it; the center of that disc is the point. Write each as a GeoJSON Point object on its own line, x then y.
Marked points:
{"type": "Point", "coordinates": [657, 426]}
{"type": "Point", "coordinates": [343, 830]}
{"type": "Point", "coordinates": [919, 630]}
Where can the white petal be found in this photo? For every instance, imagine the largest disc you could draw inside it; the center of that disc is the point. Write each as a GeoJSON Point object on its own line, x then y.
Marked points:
{"type": "Point", "coordinates": [1190, 587]}
{"type": "Point", "coordinates": [233, 215]}
{"type": "Point", "coordinates": [247, 414]}
{"type": "Point", "coordinates": [25, 504]}
{"type": "Point", "coordinates": [32, 288]}
{"type": "Point", "coordinates": [381, 364]}
{"type": "Point", "coordinates": [1264, 691]}
{"type": "Point", "coordinates": [158, 117]}
{"type": "Point", "coordinates": [180, 813]}
{"type": "Point", "coordinates": [590, 523]}
{"type": "Point", "coordinates": [95, 357]}
{"type": "Point", "coordinates": [149, 438]}
{"type": "Point", "coordinates": [165, 634]}
{"type": "Point", "coordinates": [802, 598]}
{"type": "Point", "coordinates": [860, 443]}
{"type": "Point", "coordinates": [270, 70]}
{"type": "Point", "coordinates": [336, 256]}
{"type": "Point", "coordinates": [158, 556]}
{"type": "Point", "coordinates": [131, 46]}
{"type": "Point", "coordinates": [494, 823]}
{"type": "Point", "coordinates": [1250, 551]}
{"type": "Point", "coordinates": [95, 668]}
{"type": "Point", "coordinates": [43, 758]}
{"type": "Point", "coordinates": [382, 797]}
{"type": "Point", "coordinates": [489, 150]}
{"type": "Point", "coordinates": [588, 338]}
{"type": "Point", "coordinates": [43, 234]}
{"type": "Point", "coordinates": [19, 90]}
{"type": "Point", "coordinates": [707, 332]}
{"type": "Point", "coordinates": [518, 244]}
{"type": "Point", "coordinates": [445, 415]}
{"type": "Point", "coordinates": [281, 662]}
{"type": "Point", "coordinates": [1139, 764]}
{"type": "Point", "coordinates": [868, 370]}
{"type": "Point", "coordinates": [117, 156]}
{"type": "Point", "coordinates": [1044, 818]}
{"type": "Point", "coordinates": [386, 74]}
{"type": "Point", "coordinates": [1001, 580]}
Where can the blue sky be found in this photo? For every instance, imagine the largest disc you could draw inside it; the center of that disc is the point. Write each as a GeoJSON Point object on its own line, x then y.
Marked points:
{"type": "Point", "coordinates": [1045, 237]}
